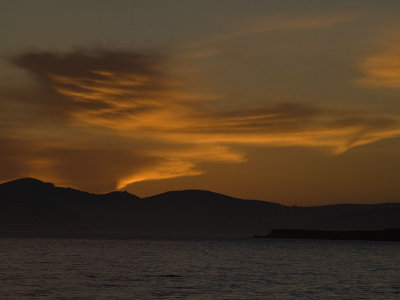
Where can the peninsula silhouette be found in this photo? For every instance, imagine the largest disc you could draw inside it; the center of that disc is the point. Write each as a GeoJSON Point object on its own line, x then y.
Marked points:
{"type": "Point", "coordinates": [390, 234]}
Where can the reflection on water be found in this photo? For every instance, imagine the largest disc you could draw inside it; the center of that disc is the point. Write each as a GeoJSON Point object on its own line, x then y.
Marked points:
{"type": "Point", "coordinates": [199, 269]}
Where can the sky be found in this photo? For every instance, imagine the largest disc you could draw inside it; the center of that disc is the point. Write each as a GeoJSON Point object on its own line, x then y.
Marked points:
{"type": "Point", "coordinates": [295, 102]}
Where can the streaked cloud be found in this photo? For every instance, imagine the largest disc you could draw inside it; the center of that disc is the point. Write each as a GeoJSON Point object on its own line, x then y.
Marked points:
{"type": "Point", "coordinates": [99, 119]}
{"type": "Point", "coordinates": [269, 23]}
{"type": "Point", "coordinates": [382, 69]}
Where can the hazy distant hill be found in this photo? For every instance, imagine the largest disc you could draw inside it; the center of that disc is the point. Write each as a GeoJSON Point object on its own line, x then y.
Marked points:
{"type": "Point", "coordinates": [31, 206]}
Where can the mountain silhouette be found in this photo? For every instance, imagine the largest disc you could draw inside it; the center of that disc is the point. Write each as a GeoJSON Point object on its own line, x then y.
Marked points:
{"type": "Point", "coordinates": [30, 207]}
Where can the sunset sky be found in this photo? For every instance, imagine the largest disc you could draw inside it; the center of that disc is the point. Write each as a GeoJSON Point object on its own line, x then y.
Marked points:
{"type": "Point", "coordinates": [296, 102]}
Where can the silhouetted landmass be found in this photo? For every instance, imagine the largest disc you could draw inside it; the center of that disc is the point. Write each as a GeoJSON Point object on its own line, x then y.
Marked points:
{"type": "Point", "coordinates": [30, 207]}
{"type": "Point", "coordinates": [392, 234]}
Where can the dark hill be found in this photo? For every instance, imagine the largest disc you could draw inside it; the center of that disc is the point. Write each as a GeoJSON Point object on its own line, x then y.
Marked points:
{"type": "Point", "coordinates": [193, 195]}
{"type": "Point", "coordinates": [31, 207]}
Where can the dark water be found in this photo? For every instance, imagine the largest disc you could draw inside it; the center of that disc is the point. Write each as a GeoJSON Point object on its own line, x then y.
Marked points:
{"type": "Point", "coordinates": [199, 269]}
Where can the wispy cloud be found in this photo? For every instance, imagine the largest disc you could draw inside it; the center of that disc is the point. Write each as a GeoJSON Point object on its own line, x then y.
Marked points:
{"type": "Point", "coordinates": [104, 119]}
{"type": "Point", "coordinates": [270, 23]}
{"type": "Point", "coordinates": [382, 69]}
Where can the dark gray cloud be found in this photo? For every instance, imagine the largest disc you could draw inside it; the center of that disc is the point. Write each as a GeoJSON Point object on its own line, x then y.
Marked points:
{"type": "Point", "coordinates": [92, 80]}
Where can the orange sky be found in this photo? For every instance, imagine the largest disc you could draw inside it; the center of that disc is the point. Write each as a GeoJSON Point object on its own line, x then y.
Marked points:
{"type": "Point", "coordinates": [279, 101]}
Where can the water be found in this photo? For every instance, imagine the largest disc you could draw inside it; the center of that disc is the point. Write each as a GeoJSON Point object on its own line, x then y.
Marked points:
{"type": "Point", "coordinates": [198, 269]}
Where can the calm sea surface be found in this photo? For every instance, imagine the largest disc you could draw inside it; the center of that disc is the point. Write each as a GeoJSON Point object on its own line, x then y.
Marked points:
{"type": "Point", "coordinates": [198, 269]}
